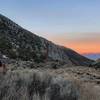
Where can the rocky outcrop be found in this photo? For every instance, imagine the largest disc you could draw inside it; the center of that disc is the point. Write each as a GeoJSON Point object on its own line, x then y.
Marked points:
{"type": "Point", "coordinates": [18, 43]}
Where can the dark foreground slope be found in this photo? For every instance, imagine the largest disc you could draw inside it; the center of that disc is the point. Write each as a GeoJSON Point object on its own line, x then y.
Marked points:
{"type": "Point", "coordinates": [16, 42]}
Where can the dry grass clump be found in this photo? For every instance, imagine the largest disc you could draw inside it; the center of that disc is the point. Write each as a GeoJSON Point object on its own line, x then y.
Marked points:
{"type": "Point", "coordinates": [86, 80]}
{"type": "Point", "coordinates": [35, 85]}
{"type": "Point", "coordinates": [87, 90]}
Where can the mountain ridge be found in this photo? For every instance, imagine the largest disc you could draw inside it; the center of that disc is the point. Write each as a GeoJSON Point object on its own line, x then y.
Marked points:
{"type": "Point", "coordinates": [17, 42]}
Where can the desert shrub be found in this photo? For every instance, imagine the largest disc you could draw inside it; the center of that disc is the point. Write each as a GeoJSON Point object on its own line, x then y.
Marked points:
{"type": "Point", "coordinates": [35, 85]}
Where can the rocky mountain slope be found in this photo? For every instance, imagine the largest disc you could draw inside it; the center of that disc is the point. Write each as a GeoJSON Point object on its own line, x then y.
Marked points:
{"type": "Point", "coordinates": [18, 43]}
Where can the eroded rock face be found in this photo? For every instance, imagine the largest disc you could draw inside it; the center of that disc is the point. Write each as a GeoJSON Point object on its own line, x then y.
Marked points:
{"type": "Point", "coordinates": [18, 43]}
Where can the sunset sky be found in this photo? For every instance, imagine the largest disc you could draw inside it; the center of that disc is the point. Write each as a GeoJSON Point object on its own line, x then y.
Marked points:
{"type": "Point", "coordinates": [72, 23]}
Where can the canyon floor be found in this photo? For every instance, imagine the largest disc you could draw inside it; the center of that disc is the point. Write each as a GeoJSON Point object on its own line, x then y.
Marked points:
{"type": "Point", "coordinates": [86, 79]}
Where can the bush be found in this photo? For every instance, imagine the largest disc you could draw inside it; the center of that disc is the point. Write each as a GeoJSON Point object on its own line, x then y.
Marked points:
{"type": "Point", "coordinates": [35, 85]}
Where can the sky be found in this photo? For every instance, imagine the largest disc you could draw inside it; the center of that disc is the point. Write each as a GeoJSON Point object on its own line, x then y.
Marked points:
{"type": "Point", "coordinates": [71, 23]}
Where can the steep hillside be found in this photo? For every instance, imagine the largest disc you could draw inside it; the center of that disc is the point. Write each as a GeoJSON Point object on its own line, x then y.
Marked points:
{"type": "Point", "coordinates": [16, 42]}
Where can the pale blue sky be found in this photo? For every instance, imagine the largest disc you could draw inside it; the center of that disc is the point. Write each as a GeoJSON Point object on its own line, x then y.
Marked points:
{"type": "Point", "coordinates": [69, 19]}
{"type": "Point", "coordinates": [54, 16]}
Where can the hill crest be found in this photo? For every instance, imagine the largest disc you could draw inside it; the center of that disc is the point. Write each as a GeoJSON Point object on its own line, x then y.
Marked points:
{"type": "Point", "coordinates": [18, 43]}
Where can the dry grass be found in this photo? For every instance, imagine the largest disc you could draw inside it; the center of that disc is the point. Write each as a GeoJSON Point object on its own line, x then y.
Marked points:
{"type": "Point", "coordinates": [71, 83]}
{"type": "Point", "coordinates": [84, 79]}
{"type": "Point", "coordinates": [35, 85]}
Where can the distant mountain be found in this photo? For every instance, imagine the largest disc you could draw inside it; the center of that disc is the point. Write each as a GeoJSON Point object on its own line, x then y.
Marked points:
{"type": "Point", "coordinates": [18, 43]}
{"type": "Point", "coordinates": [92, 56]}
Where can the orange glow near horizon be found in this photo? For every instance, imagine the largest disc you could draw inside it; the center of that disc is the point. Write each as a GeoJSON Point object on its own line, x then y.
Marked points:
{"type": "Point", "coordinates": [82, 45]}
{"type": "Point", "coordinates": [84, 48]}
